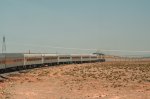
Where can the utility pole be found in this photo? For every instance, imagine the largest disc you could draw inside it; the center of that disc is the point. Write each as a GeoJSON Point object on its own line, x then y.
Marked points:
{"type": "Point", "coordinates": [4, 45]}
{"type": "Point", "coordinates": [4, 49]}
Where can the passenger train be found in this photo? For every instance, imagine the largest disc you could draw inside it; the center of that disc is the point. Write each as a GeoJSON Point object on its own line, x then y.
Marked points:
{"type": "Point", "coordinates": [26, 60]}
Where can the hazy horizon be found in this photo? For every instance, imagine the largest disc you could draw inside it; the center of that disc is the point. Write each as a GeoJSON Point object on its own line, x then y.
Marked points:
{"type": "Point", "coordinates": [75, 26]}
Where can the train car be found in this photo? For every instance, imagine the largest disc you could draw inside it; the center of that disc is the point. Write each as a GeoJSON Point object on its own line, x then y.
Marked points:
{"type": "Point", "coordinates": [64, 58]}
{"type": "Point", "coordinates": [50, 58]}
{"type": "Point", "coordinates": [76, 58]}
{"type": "Point", "coordinates": [33, 59]}
{"type": "Point", "coordinates": [13, 60]}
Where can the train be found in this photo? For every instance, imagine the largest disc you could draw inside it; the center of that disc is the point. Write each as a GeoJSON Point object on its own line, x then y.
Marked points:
{"type": "Point", "coordinates": [26, 60]}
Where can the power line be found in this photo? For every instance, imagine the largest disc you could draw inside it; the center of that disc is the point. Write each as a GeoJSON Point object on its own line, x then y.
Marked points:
{"type": "Point", "coordinates": [87, 49]}
{"type": "Point", "coordinates": [56, 47]}
{"type": "Point", "coordinates": [138, 51]}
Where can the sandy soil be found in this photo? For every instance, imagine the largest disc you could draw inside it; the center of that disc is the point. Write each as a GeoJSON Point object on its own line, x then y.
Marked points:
{"type": "Point", "coordinates": [109, 80]}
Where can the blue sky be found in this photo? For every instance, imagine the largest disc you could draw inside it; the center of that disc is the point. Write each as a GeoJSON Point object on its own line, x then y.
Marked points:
{"type": "Point", "coordinates": [89, 24]}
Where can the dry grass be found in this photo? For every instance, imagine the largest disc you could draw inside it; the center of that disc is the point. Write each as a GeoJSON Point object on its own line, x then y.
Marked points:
{"type": "Point", "coordinates": [116, 74]}
{"type": "Point", "coordinates": [108, 79]}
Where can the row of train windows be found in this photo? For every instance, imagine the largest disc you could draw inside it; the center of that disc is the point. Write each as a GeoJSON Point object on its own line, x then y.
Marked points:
{"type": "Point", "coordinates": [85, 57]}
{"type": "Point", "coordinates": [10, 61]}
{"type": "Point", "coordinates": [50, 58]}
{"type": "Point", "coordinates": [93, 57]}
{"type": "Point", "coordinates": [76, 57]}
{"type": "Point", "coordinates": [18, 60]}
{"type": "Point", "coordinates": [64, 57]}
{"type": "Point", "coordinates": [33, 59]}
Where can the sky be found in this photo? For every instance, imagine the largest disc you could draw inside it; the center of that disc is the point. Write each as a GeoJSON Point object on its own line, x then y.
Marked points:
{"type": "Point", "coordinates": [67, 26]}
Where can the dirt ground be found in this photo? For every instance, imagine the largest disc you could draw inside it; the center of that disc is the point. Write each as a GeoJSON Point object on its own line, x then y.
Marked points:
{"type": "Point", "coordinates": [108, 80]}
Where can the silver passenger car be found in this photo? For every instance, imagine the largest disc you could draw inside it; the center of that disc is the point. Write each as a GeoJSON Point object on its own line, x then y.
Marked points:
{"type": "Point", "coordinates": [76, 58]}
{"type": "Point", "coordinates": [33, 59]}
{"type": "Point", "coordinates": [64, 58]}
{"type": "Point", "coordinates": [10, 60]}
{"type": "Point", "coordinates": [50, 58]}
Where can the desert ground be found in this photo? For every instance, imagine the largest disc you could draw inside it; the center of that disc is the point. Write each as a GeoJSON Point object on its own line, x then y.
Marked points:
{"type": "Point", "coordinates": [107, 80]}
